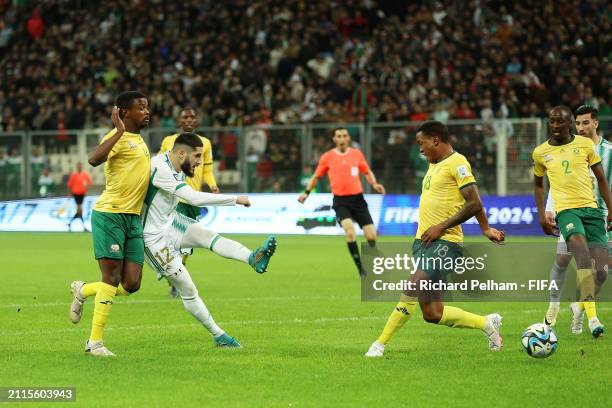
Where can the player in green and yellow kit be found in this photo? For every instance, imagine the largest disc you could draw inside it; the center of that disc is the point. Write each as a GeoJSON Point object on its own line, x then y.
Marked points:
{"type": "Point", "coordinates": [116, 227]}
{"type": "Point", "coordinates": [566, 159]}
{"type": "Point", "coordinates": [449, 197]}
{"type": "Point", "coordinates": [188, 123]}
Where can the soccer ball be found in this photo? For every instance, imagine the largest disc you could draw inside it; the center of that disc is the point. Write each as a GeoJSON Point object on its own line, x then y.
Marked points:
{"type": "Point", "coordinates": [539, 340]}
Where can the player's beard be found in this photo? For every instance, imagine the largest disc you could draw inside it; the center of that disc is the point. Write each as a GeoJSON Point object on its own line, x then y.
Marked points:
{"type": "Point", "coordinates": [186, 167]}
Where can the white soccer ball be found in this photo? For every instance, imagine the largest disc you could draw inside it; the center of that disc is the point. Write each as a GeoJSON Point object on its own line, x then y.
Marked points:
{"type": "Point", "coordinates": [539, 340]}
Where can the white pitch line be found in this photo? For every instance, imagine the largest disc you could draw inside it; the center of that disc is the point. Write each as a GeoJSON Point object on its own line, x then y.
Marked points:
{"type": "Point", "coordinates": [320, 320]}
{"type": "Point", "coordinates": [207, 299]}
{"type": "Point", "coordinates": [195, 325]}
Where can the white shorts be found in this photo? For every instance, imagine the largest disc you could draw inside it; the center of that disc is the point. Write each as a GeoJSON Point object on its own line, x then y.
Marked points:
{"type": "Point", "coordinates": [163, 251]}
{"type": "Point", "coordinates": [563, 250]}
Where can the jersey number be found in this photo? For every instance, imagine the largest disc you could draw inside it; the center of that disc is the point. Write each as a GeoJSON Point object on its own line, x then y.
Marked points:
{"type": "Point", "coordinates": [565, 164]}
{"type": "Point", "coordinates": [427, 182]}
{"type": "Point", "coordinates": [164, 252]}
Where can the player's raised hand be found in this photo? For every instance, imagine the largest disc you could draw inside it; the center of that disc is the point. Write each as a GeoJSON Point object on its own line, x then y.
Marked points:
{"type": "Point", "coordinates": [117, 121]}
{"type": "Point", "coordinates": [302, 197]}
{"type": "Point", "coordinates": [379, 188]}
{"type": "Point", "coordinates": [243, 200]}
{"type": "Point", "coordinates": [496, 236]}
{"type": "Point", "coordinates": [214, 189]}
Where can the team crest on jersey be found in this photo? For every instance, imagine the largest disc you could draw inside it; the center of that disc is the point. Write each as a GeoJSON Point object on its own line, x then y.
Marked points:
{"type": "Point", "coordinates": [179, 176]}
{"type": "Point", "coordinates": [132, 145]}
{"type": "Point", "coordinates": [114, 248]}
{"type": "Point", "coordinates": [576, 151]}
{"type": "Point", "coordinates": [462, 171]}
{"type": "Point", "coordinates": [569, 227]}
{"type": "Point", "coordinates": [547, 158]}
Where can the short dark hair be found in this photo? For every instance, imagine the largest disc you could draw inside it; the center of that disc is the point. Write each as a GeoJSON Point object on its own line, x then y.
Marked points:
{"type": "Point", "coordinates": [434, 128]}
{"type": "Point", "coordinates": [585, 110]}
{"type": "Point", "coordinates": [188, 139]}
{"type": "Point", "coordinates": [188, 108]}
{"type": "Point", "coordinates": [334, 130]}
{"type": "Point", "coordinates": [125, 100]}
{"type": "Point", "coordinates": [563, 108]}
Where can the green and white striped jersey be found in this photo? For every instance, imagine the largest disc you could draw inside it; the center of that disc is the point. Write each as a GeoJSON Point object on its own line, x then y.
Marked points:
{"type": "Point", "coordinates": [604, 149]}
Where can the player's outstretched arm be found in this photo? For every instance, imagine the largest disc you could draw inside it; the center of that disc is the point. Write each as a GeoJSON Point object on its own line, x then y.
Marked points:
{"type": "Point", "coordinates": [100, 153]}
{"type": "Point", "coordinates": [311, 184]}
{"type": "Point", "coordinates": [538, 191]}
{"type": "Point", "coordinates": [371, 179]}
{"type": "Point", "coordinates": [472, 207]}
{"type": "Point", "coordinates": [604, 190]}
{"type": "Point", "coordinates": [201, 199]}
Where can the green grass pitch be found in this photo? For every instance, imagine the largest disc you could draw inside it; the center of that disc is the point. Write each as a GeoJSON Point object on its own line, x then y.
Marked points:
{"type": "Point", "coordinates": [304, 332]}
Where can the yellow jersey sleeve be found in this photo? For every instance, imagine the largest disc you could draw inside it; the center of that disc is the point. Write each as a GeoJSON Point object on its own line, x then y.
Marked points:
{"type": "Point", "coordinates": [207, 163]}
{"type": "Point", "coordinates": [462, 172]}
{"type": "Point", "coordinates": [167, 143]}
{"type": "Point", "coordinates": [538, 166]}
{"type": "Point", "coordinates": [115, 148]}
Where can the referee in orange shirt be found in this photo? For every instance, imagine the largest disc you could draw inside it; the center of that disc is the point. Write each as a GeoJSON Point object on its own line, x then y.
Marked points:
{"type": "Point", "coordinates": [343, 164]}
{"type": "Point", "coordinates": [78, 183]}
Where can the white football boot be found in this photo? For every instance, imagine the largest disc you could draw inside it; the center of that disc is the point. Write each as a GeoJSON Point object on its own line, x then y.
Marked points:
{"type": "Point", "coordinates": [551, 314]}
{"type": "Point", "coordinates": [76, 307]}
{"type": "Point", "coordinates": [96, 348]}
{"type": "Point", "coordinates": [376, 350]}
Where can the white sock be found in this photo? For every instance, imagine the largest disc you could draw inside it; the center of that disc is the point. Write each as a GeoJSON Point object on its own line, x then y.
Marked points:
{"type": "Point", "coordinates": [228, 248]}
{"type": "Point", "coordinates": [557, 274]}
{"type": "Point", "coordinates": [198, 237]}
{"type": "Point", "coordinates": [198, 309]}
{"type": "Point", "coordinates": [181, 280]}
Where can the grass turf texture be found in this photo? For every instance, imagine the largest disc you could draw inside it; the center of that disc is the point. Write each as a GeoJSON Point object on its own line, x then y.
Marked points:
{"type": "Point", "coordinates": [303, 328]}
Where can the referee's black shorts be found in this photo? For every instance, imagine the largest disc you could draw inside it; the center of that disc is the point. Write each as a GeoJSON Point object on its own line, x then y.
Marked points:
{"type": "Point", "coordinates": [354, 207]}
{"type": "Point", "coordinates": [79, 198]}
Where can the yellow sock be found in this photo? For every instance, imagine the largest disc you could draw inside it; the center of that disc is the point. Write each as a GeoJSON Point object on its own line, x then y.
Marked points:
{"type": "Point", "coordinates": [400, 315]}
{"type": "Point", "coordinates": [90, 289]}
{"type": "Point", "coordinates": [102, 308]}
{"type": "Point", "coordinates": [455, 317]}
{"type": "Point", "coordinates": [586, 284]}
{"type": "Point", "coordinates": [589, 309]}
{"type": "Point", "coordinates": [121, 291]}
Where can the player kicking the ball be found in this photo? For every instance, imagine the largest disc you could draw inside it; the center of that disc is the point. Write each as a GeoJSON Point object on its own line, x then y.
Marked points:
{"type": "Point", "coordinates": [166, 231]}
{"type": "Point", "coordinates": [449, 197]}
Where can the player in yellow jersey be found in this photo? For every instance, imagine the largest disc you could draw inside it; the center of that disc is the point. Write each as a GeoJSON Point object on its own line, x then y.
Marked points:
{"type": "Point", "coordinates": [566, 159]}
{"type": "Point", "coordinates": [188, 122]}
{"type": "Point", "coordinates": [449, 197]}
{"type": "Point", "coordinates": [116, 227]}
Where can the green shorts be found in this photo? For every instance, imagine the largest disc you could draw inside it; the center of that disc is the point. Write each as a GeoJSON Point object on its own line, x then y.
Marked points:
{"type": "Point", "coordinates": [117, 236]}
{"type": "Point", "coordinates": [588, 222]}
{"type": "Point", "coordinates": [437, 258]}
{"type": "Point", "coordinates": [190, 211]}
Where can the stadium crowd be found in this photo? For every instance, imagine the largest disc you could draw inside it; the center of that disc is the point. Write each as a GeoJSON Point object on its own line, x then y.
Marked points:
{"type": "Point", "coordinates": [292, 61]}
{"type": "Point", "coordinates": [296, 61]}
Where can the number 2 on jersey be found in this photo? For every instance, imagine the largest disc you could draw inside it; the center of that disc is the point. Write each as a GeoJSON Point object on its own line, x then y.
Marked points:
{"type": "Point", "coordinates": [565, 164]}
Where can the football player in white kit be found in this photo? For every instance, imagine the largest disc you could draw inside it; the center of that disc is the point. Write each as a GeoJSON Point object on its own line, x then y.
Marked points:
{"type": "Point", "coordinates": [166, 231]}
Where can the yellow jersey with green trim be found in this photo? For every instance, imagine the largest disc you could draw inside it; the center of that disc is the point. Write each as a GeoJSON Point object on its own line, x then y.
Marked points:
{"type": "Point", "coordinates": [126, 174]}
{"type": "Point", "coordinates": [202, 173]}
{"type": "Point", "coordinates": [441, 194]}
{"type": "Point", "coordinates": [567, 167]}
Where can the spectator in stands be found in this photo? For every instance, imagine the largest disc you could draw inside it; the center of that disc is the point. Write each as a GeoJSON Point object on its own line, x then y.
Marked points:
{"type": "Point", "coordinates": [37, 164]}
{"type": "Point", "coordinates": [46, 185]}
{"type": "Point", "coordinates": [13, 174]}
